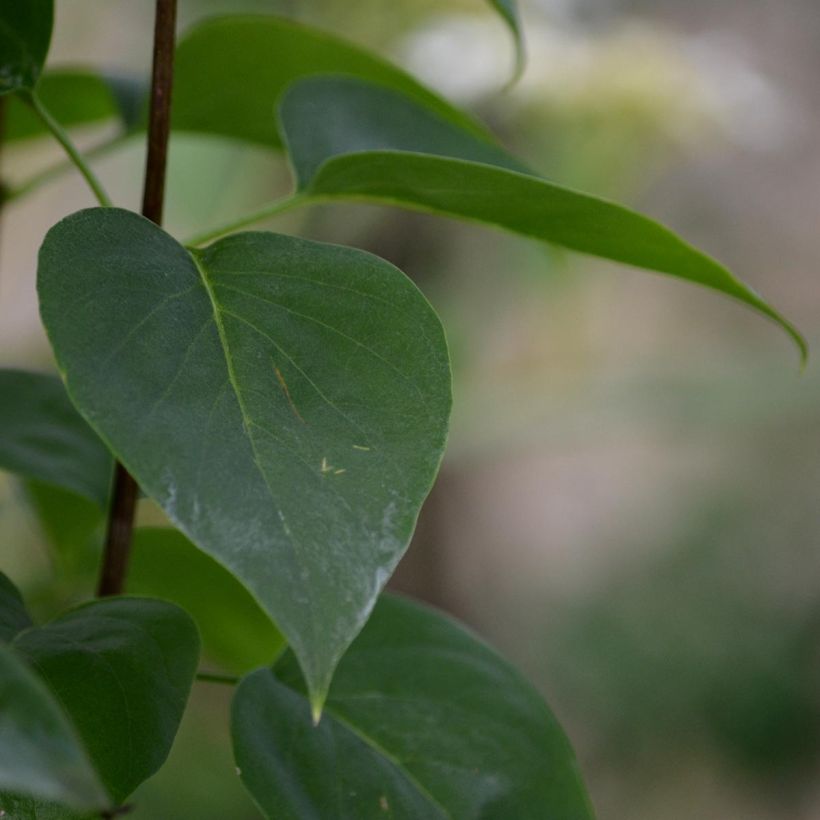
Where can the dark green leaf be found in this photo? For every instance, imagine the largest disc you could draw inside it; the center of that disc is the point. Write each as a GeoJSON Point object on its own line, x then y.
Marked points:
{"type": "Point", "coordinates": [286, 403]}
{"type": "Point", "coordinates": [364, 117]}
{"type": "Point", "coordinates": [40, 753]}
{"type": "Point", "coordinates": [453, 184]}
{"type": "Point", "coordinates": [76, 98]}
{"type": "Point", "coordinates": [13, 615]}
{"type": "Point", "coordinates": [25, 33]}
{"type": "Point", "coordinates": [122, 669]}
{"type": "Point", "coordinates": [508, 9]}
{"type": "Point", "coordinates": [43, 437]}
{"type": "Point", "coordinates": [230, 71]}
{"type": "Point", "coordinates": [235, 631]}
{"type": "Point", "coordinates": [423, 721]}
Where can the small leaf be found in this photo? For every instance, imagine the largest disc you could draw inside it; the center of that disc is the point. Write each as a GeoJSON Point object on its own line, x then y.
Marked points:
{"type": "Point", "coordinates": [13, 615]}
{"type": "Point", "coordinates": [235, 631]}
{"type": "Point", "coordinates": [76, 98]}
{"type": "Point", "coordinates": [508, 9]}
{"type": "Point", "coordinates": [454, 184]}
{"type": "Point", "coordinates": [43, 437]}
{"type": "Point", "coordinates": [286, 402]}
{"type": "Point", "coordinates": [122, 669]}
{"type": "Point", "coordinates": [422, 721]}
{"type": "Point", "coordinates": [40, 753]}
{"type": "Point", "coordinates": [25, 34]}
{"type": "Point", "coordinates": [230, 71]}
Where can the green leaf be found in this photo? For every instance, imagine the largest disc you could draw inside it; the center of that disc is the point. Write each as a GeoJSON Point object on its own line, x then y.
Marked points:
{"type": "Point", "coordinates": [286, 402]}
{"type": "Point", "coordinates": [122, 669]}
{"type": "Point", "coordinates": [235, 631]}
{"type": "Point", "coordinates": [40, 753]}
{"type": "Point", "coordinates": [230, 71]}
{"type": "Point", "coordinates": [454, 184]}
{"type": "Point", "coordinates": [25, 34]}
{"type": "Point", "coordinates": [508, 9]}
{"type": "Point", "coordinates": [43, 437]}
{"type": "Point", "coordinates": [76, 98]}
{"type": "Point", "coordinates": [423, 721]}
{"type": "Point", "coordinates": [13, 615]}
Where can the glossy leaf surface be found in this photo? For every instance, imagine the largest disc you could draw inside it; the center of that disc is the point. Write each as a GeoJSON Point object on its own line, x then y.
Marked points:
{"type": "Point", "coordinates": [230, 71]}
{"type": "Point", "coordinates": [235, 631]}
{"type": "Point", "coordinates": [75, 98]}
{"type": "Point", "coordinates": [13, 615]}
{"type": "Point", "coordinates": [25, 33]}
{"type": "Point", "coordinates": [286, 402]}
{"type": "Point", "coordinates": [42, 436]}
{"type": "Point", "coordinates": [454, 184]}
{"type": "Point", "coordinates": [122, 669]}
{"type": "Point", "coordinates": [40, 753]}
{"type": "Point", "coordinates": [423, 721]}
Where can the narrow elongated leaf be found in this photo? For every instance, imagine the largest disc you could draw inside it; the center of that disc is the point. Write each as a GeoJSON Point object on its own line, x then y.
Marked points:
{"type": "Point", "coordinates": [42, 436]}
{"type": "Point", "coordinates": [340, 162]}
{"type": "Point", "coordinates": [25, 34]}
{"type": "Point", "coordinates": [423, 721]}
{"type": "Point", "coordinates": [230, 71]}
{"type": "Point", "coordinates": [286, 402]}
{"type": "Point", "coordinates": [40, 753]}
{"type": "Point", "coordinates": [76, 98]}
{"type": "Point", "coordinates": [122, 669]}
{"type": "Point", "coordinates": [13, 615]}
{"type": "Point", "coordinates": [508, 9]}
{"type": "Point", "coordinates": [235, 631]}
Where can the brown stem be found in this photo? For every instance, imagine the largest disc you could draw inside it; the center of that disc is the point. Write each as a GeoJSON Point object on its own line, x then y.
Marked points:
{"type": "Point", "coordinates": [124, 494]}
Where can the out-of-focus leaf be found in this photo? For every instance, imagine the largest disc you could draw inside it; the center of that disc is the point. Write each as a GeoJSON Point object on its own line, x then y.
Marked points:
{"type": "Point", "coordinates": [286, 402]}
{"type": "Point", "coordinates": [40, 754]}
{"type": "Point", "coordinates": [454, 184]}
{"type": "Point", "coordinates": [508, 9]}
{"type": "Point", "coordinates": [230, 71]}
{"type": "Point", "coordinates": [13, 615]}
{"type": "Point", "coordinates": [77, 98]}
{"type": "Point", "coordinates": [25, 34]}
{"type": "Point", "coordinates": [423, 721]}
{"type": "Point", "coordinates": [122, 669]}
{"type": "Point", "coordinates": [43, 437]}
{"type": "Point", "coordinates": [235, 631]}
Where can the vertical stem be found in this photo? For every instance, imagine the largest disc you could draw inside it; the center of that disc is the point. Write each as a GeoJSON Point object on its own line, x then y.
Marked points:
{"type": "Point", "coordinates": [124, 497]}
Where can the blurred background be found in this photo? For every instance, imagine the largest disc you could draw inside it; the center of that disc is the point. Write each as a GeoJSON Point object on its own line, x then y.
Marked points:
{"type": "Point", "coordinates": [630, 505]}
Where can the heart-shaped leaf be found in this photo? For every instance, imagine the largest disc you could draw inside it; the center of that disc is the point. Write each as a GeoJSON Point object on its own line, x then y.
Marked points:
{"type": "Point", "coordinates": [25, 34]}
{"type": "Point", "coordinates": [40, 753]}
{"type": "Point", "coordinates": [230, 71]}
{"type": "Point", "coordinates": [122, 669]}
{"type": "Point", "coordinates": [423, 721]}
{"type": "Point", "coordinates": [42, 436]}
{"type": "Point", "coordinates": [367, 151]}
{"type": "Point", "coordinates": [235, 632]}
{"type": "Point", "coordinates": [286, 402]}
{"type": "Point", "coordinates": [13, 615]}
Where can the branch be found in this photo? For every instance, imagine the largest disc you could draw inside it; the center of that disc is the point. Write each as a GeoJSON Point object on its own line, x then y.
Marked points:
{"type": "Point", "coordinates": [124, 497]}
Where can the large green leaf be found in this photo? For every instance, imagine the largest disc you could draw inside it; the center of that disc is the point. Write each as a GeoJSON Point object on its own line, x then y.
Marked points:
{"type": "Point", "coordinates": [76, 97]}
{"type": "Point", "coordinates": [13, 615]}
{"type": "Point", "coordinates": [235, 631]}
{"type": "Point", "coordinates": [286, 402]}
{"type": "Point", "coordinates": [423, 721]}
{"type": "Point", "coordinates": [363, 148]}
{"type": "Point", "coordinates": [122, 669]}
{"type": "Point", "coordinates": [40, 753]}
{"type": "Point", "coordinates": [43, 437]}
{"type": "Point", "coordinates": [230, 71]}
{"type": "Point", "coordinates": [25, 34]}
